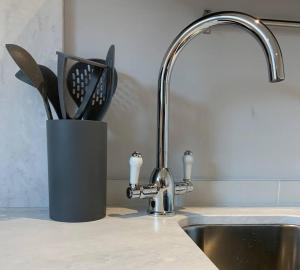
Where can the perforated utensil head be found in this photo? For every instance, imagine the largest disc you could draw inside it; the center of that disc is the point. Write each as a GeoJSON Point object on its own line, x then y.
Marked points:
{"type": "Point", "coordinates": [78, 79]}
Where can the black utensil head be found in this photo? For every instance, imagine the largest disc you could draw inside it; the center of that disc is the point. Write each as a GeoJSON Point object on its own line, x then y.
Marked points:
{"type": "Point", "coordinates": [50, 80]}
{"type": "Point", "coordinates": [78, 78]}
{"type": "Point", "coordinates": [27, 64]}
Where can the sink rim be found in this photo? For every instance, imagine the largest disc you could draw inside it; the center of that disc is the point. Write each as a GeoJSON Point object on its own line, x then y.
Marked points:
{"type": "Point", "coordinates": [243, 225]}
{"type": "Point", "coordinates": [238, 219]}
{"type": "Point", "coordinates": [218, 257]}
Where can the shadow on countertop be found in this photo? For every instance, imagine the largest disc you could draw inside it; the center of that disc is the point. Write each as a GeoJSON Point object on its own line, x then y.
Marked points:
{"type": "Point", "coordinates": [142, 212]}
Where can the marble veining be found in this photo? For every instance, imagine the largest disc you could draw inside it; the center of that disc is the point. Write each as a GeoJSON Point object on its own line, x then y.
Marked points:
{"type": "Point", "coordinates": [125, 239]}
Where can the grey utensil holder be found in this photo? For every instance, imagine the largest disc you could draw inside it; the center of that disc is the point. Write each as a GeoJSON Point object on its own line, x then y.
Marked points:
{"type": "Point", "coordinates": [77, 169]}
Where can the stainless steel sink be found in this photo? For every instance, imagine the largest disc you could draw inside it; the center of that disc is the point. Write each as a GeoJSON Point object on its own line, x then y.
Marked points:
{"type": "Point", "coordinates": [249, 247]}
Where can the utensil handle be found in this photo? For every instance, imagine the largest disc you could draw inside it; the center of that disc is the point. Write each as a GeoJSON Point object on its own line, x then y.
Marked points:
{"type": "Point", "coordinates": [61, 68]}
{"type": "Point", "coordinates": [85, 61]}
{"type": "Point", "coordinates": [46, 104]}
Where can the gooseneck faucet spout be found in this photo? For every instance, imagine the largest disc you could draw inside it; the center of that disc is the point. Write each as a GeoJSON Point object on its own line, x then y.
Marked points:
{"type": "Point", "coordinates": [264, 36]}
{"type": "Point", "coordinates": [162, 187]}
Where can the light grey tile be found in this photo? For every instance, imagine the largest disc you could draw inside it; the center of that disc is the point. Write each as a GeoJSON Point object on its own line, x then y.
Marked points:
{"type": "Point", "coordinates": [289, 194]}
{"type": "Point", "coordinates": [207, 193]}
{"type": "Point", "coordinates": [233, 193]}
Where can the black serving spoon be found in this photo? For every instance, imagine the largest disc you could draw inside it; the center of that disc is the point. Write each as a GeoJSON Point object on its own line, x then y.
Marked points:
{"type": "Point", "coordinates": [29, 66]}
{"type": "Point", "coordinates": [50, 80]}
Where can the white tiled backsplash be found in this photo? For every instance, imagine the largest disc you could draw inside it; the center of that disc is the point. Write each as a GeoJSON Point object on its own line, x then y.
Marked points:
{"type": "Point", "coordinates": [244, 131]}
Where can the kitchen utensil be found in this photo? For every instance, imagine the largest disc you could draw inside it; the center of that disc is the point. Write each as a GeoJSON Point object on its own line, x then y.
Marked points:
{"type": "Point", "coordinates": [61, 69]}
{"type": "Point", "coordinates": [110, 62]}
{"type": "Point", "coordinates": [29, 66]}
{"type": "Point", "coordinates": [77, 80]}
{"type": "Point", "coordinates": [50, 85]}
{"type": "Point", "coordinates": [95, 76]}
{"type": "Point", "coordinates": [91, 87]}
{"type": "Point", "coordinates": [86, 61]}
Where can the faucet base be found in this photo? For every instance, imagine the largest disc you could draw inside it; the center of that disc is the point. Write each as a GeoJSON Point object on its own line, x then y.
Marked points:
{"type": "Point", "coordinates": [162, 203]}
{"type": "Point", "coordinates": [160, 214]}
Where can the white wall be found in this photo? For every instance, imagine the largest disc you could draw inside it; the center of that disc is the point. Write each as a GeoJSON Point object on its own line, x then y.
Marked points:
{"type": "Point", "coordinates": [243, 130]}
{"type": "Point", "coordinates": [37, 26]}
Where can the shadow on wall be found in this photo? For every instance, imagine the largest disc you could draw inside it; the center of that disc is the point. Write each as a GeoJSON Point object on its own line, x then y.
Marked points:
{"type": "Point", "coordinates": [190, 128]}
{"type": "Point", "coordinates": [132, 126]}
{"type": "Point", "coordinates": [220, 129]}
{"type": "Point", "coordinates": [132, 122]}
{"type": "Point", "coordinates": [194, 124]}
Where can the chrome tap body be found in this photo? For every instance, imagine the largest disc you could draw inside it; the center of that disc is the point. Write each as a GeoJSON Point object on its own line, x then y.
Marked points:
{"type": "Point", "coordinates": [161, 202]}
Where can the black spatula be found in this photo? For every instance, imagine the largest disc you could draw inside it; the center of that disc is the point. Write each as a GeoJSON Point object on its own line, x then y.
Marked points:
{"type": "Point", "coordinates": [111, 84]}
{"type": "Point", "coordinates": [50, 84]}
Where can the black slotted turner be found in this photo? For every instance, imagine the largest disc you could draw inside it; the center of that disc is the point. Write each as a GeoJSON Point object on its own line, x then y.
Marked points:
{"type": "Point", "coordinates": [110, 79]}
{"type": "Point", "coordinates": [78, 79]}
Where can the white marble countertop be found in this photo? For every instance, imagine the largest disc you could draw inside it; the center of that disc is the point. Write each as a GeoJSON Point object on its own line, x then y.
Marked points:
{"type": "Point", "coordinates": [125, 239]}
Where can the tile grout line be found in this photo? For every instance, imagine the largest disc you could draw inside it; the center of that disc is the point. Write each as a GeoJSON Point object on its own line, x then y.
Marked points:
{"type": "Point", "coordinates": [146, 180]}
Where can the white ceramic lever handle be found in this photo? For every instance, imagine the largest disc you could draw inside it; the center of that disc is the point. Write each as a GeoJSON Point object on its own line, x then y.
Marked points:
{"type": "Point", "coordinates": [188, 161]}
{"type": "Point", "coordinates": [135, 162]}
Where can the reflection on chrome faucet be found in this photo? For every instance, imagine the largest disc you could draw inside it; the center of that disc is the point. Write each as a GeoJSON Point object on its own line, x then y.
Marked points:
{"type": "Point", "coordinates": [162, 189]}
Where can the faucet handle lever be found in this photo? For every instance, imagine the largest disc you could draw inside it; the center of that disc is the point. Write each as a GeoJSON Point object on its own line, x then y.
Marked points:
{"type": "Point", "coordinates": [135, 162]}
{"type": "Point", "coordinates": [188, 161]}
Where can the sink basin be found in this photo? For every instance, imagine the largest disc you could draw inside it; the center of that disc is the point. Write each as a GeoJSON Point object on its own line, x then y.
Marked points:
{"type": "Point", "coordinates": [249, 247]}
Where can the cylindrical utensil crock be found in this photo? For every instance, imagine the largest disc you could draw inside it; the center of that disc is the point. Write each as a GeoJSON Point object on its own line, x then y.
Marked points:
{"type": "Point", "coordinates": [77, 169]}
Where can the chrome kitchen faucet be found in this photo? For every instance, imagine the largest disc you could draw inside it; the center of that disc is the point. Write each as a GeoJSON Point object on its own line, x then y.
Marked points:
{"type": "Point", "coordinates": [162, 189]}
